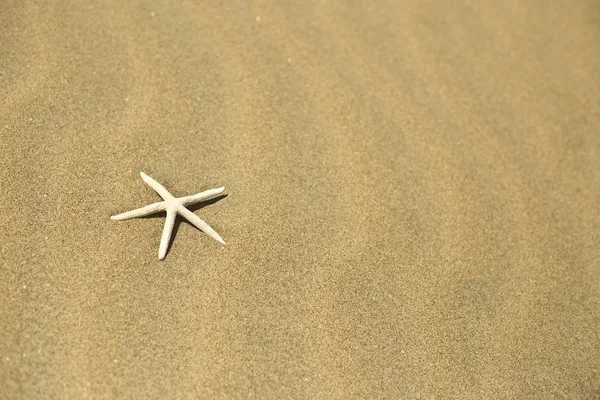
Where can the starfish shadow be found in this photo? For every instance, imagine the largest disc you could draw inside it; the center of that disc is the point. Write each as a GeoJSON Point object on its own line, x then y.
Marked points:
{"type": "Point", "coordinates": [178, 219]}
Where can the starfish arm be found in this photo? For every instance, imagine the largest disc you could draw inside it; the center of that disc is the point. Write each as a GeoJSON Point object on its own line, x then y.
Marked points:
{"type": "Point", "coordinates": [158, 188]}
{"type": "Point", "coordinates": [166, 235]}
{"type": "Point", "coordinates": [198, 223]}
{"type": "Point", "coordinates": [207, 194]}
{"type": "Point", "coordinates": [140, 212]}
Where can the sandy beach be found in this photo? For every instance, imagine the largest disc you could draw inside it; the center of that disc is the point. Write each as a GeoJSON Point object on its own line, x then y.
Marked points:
{"type": "Point", "coordinates": [412, 209]}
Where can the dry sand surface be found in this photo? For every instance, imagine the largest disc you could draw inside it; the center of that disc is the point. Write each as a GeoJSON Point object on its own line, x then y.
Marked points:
{"type": "Point", "coordinates": [413, 206]}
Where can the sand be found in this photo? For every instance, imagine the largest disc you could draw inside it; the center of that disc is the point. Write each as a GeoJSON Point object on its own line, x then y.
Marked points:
{"type": "Point", "coordinates": [412, 210]}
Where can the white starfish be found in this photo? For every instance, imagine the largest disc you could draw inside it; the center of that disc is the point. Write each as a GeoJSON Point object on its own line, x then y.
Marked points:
{"type": "Point", "coordinates": [173, 206]}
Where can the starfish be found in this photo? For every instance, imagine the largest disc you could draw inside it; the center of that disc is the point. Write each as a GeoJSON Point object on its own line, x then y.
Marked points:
{"type": "Point", "coordinates": [173, 205]}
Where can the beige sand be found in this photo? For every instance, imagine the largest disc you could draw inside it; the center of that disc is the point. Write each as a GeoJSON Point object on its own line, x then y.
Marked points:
{"type": "Point", "coordinates": [413, 203]}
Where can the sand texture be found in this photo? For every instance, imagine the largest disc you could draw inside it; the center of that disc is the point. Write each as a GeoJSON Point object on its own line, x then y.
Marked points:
{"type": "Point", "coordinates": [412, 209]}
